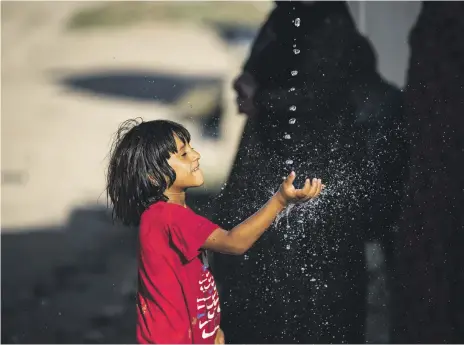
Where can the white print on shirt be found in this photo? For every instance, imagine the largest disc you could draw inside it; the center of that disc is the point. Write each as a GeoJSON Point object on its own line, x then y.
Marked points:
{"type": "Point", "coordinates": [208, 307]}
{"type": "Point", "coordinates": [205, 334]}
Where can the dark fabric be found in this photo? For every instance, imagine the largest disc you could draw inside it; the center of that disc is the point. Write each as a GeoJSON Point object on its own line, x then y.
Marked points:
{"type": "Point", "coordinates": [429, 267]}
{"type": "Point", "coordinates": [305, 280]}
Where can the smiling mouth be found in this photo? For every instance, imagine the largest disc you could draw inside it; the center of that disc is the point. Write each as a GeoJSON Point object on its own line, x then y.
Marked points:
{"type": "Point", "coordinates": [196, 169]}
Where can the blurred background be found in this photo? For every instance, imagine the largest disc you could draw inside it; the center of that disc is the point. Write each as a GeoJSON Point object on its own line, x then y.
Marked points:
{"type": "Point", "coordinates": [71, 72]}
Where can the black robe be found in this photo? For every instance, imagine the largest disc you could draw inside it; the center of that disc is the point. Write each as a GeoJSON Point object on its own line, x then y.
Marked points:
{"type": "Point", "coordinates": [304, 281]}
{"type": "Point", "coordinates": [429, 302]}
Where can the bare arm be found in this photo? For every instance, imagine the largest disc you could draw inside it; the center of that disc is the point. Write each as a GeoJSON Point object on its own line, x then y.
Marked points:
{"type": "Point", "coordinates": [243, 236]}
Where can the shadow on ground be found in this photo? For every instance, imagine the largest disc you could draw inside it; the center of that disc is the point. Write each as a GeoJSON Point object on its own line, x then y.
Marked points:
{"type": "Point", "coordinates": [235, 34]}
{"type": "Point", "coordinates": [72, 284]}
{"type": "Point", "coordinates": [139, 86]}
{"type": "Point", "coordinates": [169, 89]}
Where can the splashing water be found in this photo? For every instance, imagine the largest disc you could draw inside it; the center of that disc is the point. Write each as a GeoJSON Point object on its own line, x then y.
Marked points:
{"type": "Point", "coordinates": [305, 230]}
{"type": "Point", "coordinates": [301, 233]}
{"type": "Point", "coordinates": [303, 236]}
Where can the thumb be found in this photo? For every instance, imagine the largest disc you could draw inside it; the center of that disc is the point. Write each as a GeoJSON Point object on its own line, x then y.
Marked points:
{"type": "Point", "coordinates": [290, 179]}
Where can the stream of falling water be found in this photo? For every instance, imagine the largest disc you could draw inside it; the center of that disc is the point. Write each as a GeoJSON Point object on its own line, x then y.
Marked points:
{"type": "Point", "coordinates": [292, 120]}
{"type": "Point", "coordinates": [295, 235]}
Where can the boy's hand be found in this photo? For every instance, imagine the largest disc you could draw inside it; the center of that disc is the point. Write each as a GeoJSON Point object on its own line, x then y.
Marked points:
{"type": "Point", "coordinates": [220, 338]}
{"type": "Point", "coordinates": [288, 194]}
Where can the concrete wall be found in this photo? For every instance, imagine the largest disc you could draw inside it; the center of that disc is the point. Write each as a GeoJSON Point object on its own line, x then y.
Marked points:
{"type": "Point", "coordinates": [387, 24]}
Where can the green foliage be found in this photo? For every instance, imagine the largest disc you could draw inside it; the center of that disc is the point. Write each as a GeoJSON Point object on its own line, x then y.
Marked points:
{"type": "Point", "coordinates": [205, 12]}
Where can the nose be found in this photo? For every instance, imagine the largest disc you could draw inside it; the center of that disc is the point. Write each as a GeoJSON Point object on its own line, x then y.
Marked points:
{"type": "Point", "coordinates": [237, 86]}
{"type": "Point", "coordinates": [245, 85]}
{"type": "Point", "coordinates": [195, 155]}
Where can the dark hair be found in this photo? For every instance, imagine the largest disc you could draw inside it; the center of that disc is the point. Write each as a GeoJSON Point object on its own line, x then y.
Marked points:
{"type": "Point", "coordinates": [138, 171]}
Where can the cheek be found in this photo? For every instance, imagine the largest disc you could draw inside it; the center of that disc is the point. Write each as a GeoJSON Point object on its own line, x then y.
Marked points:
{"type": "Point", "coordinates": [182, 169]}
{"type": "Point", "coordinates": [178, 170]}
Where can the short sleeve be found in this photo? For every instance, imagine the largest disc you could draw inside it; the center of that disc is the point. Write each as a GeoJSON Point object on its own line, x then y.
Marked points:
{"type": "Point", "coordinates": [189, 231]}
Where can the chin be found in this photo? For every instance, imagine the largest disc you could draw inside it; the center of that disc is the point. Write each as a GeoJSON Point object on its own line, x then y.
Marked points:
{"type": "Point", "coordinates": [195, 185]}
{"type": "Point", "coordinates": [199, 180]}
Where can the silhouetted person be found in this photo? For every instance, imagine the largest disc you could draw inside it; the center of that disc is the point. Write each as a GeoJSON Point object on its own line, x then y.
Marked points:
{"type": "Point", "coordinates": [429, 303]}
{"type": "Point", "coordinates": [309, 285]}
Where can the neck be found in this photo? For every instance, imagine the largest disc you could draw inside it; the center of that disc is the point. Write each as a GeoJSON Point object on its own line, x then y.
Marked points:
{"type": "Point", "coordinates": [176, 197]}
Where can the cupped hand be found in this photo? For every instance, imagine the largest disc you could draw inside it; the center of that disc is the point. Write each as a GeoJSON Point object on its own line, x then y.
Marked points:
{"type": "Point", "coordinates": [288, 194]}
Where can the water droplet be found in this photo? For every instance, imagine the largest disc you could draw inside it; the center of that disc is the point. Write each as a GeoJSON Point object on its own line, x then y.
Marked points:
{"type": "Point", "coordinates": [292, 121]}
{"type": "Point", "coordinates": [297, 22]}
{"type": "Point", "coordinates": [292, 89]}
{"type": "Point", "coordinates": [296, 51]}
{"type": "Point", "coordinates": [287, 136]}
{"type": "Point", "coordinates": [289, 161]}
{"type": "Point", "coordinates": [293, 108]}
{"type": "Point", "coordinates": [294, 73]}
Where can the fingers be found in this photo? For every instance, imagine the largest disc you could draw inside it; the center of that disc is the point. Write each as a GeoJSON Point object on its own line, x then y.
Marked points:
{"type": "Point", "coordinates": [319, 188]}
{"type": "Point", "coordinates": [314, 187]}
{"type": "Point", "coordinates": [310, 190]}
{"type": "Point", "coordinates": [306, 191]}
{"type": "Point", "coordinates": [290, 179]}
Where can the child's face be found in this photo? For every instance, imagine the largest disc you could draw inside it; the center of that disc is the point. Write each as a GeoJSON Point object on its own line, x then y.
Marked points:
{"type": "Point", "coordinates": [186, 164]}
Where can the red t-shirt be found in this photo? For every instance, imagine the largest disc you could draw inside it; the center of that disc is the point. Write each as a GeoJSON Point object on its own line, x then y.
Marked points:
{"type": "Point", "coordinates": [177, 299]}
